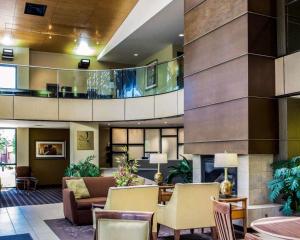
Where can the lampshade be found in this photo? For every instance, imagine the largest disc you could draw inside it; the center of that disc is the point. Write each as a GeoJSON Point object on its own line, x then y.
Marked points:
{"type": "Point", "coordinates": [158, 158]}
{"type": "Point", "coordinates": [226, 160]}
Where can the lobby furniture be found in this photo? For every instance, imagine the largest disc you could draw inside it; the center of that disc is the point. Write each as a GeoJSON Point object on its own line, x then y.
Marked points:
{"type": "Point", "coordinates": [250, 236]}
{"type": "Point", "coordinates": [158, 158]}
{"type": "Point", "coordinates": [190, 207]}
{"type": "Point", "coordinates": [78, 211]}
{"type": "Point", "coordinates": [165, 193]}
{"type": "Point", "coordinates": [278, 227]}
{"type": "Point", "coordinates": [223, 219]}
{"type": "Point", "coordinates": [238, 211]}
{"type": "Point", "coordinates": [24, 179]}
{"type": "Point", "coordinates": [123, 225]}
{"type": "Point", "coordinates": [135, 198]}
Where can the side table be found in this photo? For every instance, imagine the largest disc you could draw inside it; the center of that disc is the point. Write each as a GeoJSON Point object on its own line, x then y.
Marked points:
{"type": "Point", "coordinates": [238, 211]}
{"type": "Point", "coordinates": [164, 195]}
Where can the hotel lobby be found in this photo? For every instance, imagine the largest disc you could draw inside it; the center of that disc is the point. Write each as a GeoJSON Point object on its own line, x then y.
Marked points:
{"type": "Point", "coordinates": [149, 120]}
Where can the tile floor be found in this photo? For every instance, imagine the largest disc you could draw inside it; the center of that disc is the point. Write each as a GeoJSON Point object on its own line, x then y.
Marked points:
{"type": "Point", "coordinates": [30, 219]}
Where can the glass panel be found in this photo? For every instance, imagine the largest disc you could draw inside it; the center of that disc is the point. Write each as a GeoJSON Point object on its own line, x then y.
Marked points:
{"type": "Point", "coordinates": [152, 137]}
{"type": "Point", "coordinates": [136, 136]}
{"type": "Point", "coordinates": [7, 76]}
{"type": "Point", "coordinates": [136, 152]}
{"type": "Point", "coordinates": [119, 136]}
{"type": "Point", "coordinates": [118, 148]}
{"type": "Point", "coordinates": [169, 131]}
{"type": "Point", "coordinates": [293, 26]}
{"type": "Point", "coordinates": [181, 135]}
{"type": "Point", "coordinates": [169, 146]}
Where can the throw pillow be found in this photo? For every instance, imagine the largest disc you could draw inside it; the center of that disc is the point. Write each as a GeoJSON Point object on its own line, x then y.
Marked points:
{"type": "Point", "coordinates": [78, 187]}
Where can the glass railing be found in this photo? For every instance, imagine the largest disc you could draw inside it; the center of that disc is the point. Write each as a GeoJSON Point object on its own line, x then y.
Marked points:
{"type": "Point", "coordinates": [95, 84]}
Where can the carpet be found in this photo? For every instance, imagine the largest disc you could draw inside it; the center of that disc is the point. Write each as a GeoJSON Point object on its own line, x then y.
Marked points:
{"type": "Point", "coordinates": [64, 230]}
{"type": "Point", "coordinates": [25, 236]}
{"type": "Point", "coordinates": [11, 197]}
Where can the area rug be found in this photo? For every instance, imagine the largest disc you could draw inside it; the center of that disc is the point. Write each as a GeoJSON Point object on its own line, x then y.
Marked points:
{"type": "Point", "coordinates": [64, 230]}
{"type": "Point", "coordinates": [25, 236]}
{"type": "Point", "coordinates": [11, 197]}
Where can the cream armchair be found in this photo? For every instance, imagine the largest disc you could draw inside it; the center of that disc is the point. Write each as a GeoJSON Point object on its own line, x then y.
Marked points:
{"type": "Point", "coordinates": [190, 207]}
{"type": "Point", "coordinates": [137, 198]}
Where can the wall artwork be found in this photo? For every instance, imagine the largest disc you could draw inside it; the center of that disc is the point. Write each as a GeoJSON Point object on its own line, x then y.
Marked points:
{"type": "Point", "coordinates": [151, 75]}
{"type": "Point", "coordinates": [85, 140]}
{"type": "Point", "coordinates": [50, 149]}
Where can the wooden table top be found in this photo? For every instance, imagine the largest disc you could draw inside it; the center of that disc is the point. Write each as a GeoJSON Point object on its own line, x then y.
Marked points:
{"type": "Point", "coordinates": [280, 227]}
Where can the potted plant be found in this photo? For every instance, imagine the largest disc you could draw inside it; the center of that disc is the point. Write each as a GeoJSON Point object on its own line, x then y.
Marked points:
{"type": "Point", "coordinates": [127, 170]}
{"type": "Point", "coordinates": [83, 168]}
{"type": "Point", "coordinates": [285, 185]}
{"type": "Point", "coordinates": [183, 170]}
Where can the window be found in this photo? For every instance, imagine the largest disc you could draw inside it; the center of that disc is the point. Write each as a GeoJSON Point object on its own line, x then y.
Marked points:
{"type": "Point", "coordinates": [7, 76]}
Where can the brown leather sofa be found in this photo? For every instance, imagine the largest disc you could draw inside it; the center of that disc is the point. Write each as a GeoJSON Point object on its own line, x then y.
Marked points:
{"type": "Point", "coordinates": [78, 211]}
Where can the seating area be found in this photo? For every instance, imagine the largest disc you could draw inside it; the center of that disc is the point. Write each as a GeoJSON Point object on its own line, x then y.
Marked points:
{"type": "Point", "coordinates": [149, 119]}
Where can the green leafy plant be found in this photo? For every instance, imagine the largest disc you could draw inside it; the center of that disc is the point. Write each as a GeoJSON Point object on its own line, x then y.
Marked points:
{"type": "Point", "coordinates": [83, 168]}
{"type": "Point", "coordinates": [183, 169]}
{"type": "Point", "coordinates": [127, 170]}
{"type": "Point", "coordinates": [285, 185]}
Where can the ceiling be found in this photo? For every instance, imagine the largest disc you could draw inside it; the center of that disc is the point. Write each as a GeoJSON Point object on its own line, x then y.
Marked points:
{"type": "Point", "coordinates": [93, 21]}
{"type": "Point", "coordinates": [162, 29]}
{"type": "Point", "coordinates": [175, 121]}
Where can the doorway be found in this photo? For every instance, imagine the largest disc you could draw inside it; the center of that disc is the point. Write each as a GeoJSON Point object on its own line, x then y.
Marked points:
{"type": "Point", "coordinates": [8, 157]}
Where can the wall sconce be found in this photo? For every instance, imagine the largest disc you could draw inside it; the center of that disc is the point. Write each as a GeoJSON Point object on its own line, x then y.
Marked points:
{"type": "Point", "coordinates": [8, 54]}
{"type": "Point", "coordinates": [84, 63]}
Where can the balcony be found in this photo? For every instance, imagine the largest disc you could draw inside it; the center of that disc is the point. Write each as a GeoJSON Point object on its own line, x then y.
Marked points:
{"type": "Point", "coordinates": [146, 92]}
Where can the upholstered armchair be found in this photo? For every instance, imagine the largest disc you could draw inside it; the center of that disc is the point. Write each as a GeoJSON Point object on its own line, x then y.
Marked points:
{"type": "Point", "coordinates": [137, 198]}
{"type": "Point", "coordinates": [125, 225]}
{"type": "Point", "coordinates": [190, 207]}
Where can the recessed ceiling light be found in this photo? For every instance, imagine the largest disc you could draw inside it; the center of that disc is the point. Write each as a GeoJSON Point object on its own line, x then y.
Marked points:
{"type": "Point", "coordinates": [75, 40]}
{"type": "Point", "coordinates": [84, 49]}
{"type": "Point", "coordinates": [135, 54]}
{"type": "Point", "coordinates": [139, 123]}
{"type": "Point", "coordinates": [50, 27]}
{"type": "Point", "coordinates": [181, 35]}
{"type": "Point", "coordinates": [7, 40]}
{"type": "Point", "coordinates": [97, 43]}
{"type": "Point", "coordinates": [50, 37]}
{"type": "Point", "coordinates": [108, 124]}
{"type": "Point", "coordinates": [165, 122]}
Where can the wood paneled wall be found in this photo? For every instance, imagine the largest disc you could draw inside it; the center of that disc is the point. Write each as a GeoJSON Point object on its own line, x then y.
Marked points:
{"type": "Point", "coordinates": [230, 47]}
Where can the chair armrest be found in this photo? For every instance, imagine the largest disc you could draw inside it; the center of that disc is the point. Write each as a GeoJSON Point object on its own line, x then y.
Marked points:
{"type": "Point", "coordinates": [69, 203]}
{"type": "Point", "coordinates": [124, 215]}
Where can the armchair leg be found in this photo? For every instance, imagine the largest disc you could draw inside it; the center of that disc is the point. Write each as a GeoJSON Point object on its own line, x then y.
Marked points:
{"type": "Point", "coordinates": [214, 233]}
{"type": "Point", "coordinates": [176, 234]}
{"type": "Point", "coordinates": [192, 231]}
{"type": "Point", "coordinates": [154, 235]}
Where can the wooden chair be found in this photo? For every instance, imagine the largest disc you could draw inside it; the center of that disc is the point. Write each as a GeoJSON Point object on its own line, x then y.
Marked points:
{"type": "Point", "coordinates": [222, 215]}
{"type": "Point", "coordinates": [116, 225]}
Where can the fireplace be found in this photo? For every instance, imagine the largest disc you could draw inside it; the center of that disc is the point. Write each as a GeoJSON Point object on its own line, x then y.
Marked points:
{"type": "Point", "coordinates": [211, 174]}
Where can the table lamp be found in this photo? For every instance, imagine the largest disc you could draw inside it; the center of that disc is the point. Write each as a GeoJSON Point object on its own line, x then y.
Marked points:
{"type": "Point", "coordinates": [226, 160]}
{"type": "Point", "coordinates": [158, 158]}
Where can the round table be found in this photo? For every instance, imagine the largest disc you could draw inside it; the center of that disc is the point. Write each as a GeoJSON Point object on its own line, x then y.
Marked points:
{"type": "Point", "coordinates": [278, 227]}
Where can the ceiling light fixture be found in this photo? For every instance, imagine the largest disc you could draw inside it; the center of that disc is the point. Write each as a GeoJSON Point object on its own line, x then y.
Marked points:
{"type": "Point", "coordinates": [50, 37]}
{"type": "Point", "coordinates": [135, 54]}
{"type": "Point", "coordinates": [84, 49]}
{"type": "Point", "coordinates": [50, 27]}
{"type": "Point", "coordinates": [181, 35]}
{"type": "Point", "coordinates": [139, 123]}
{"type": "Point", "coordinates": [7, 40]}
{"type": "Point", "coordinates": [97, 43]}
{"type": "Point", "coordinates": [75, 40]}
{"type": "Point", "coordinates": [165, 122]}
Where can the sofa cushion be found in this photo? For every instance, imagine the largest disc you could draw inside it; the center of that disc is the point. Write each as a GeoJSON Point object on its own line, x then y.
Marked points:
{"type": "Point", "coordinates": [87, 202]}
{"type": "Point", "coordinates": [78, 187]}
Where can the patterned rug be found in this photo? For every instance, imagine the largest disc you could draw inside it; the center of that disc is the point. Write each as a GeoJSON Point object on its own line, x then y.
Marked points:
{"type": "Point", "coordinates": [25, 236]}
{"type": "Point", "coordinates": [64, 230]}
{"type": "Point", "coordinates": [11, 197]}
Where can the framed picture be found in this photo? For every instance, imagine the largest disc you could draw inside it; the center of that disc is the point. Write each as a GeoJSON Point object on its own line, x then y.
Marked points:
{"type": "Point", "coordinates": [85, 140]}
{"type": "Point", "coordinates": [50, 149]}
{"type": "Point", "coordinates": [151, 75]}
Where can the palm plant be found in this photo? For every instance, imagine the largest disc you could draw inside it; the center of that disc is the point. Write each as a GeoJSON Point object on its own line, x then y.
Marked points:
{"type": "Point", "coordinates": [183, 170]}
{"type": "Point", "coordinates": [286, 185]}
{"type": "Point", "coordinates": [83, 168]}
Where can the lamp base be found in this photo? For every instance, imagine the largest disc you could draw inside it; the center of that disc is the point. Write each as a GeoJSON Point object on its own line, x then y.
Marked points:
{"type": "Point", "coordinates": [226, 188]}
{"type": "Point", "coordinates": [158, 178]}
